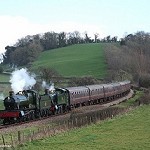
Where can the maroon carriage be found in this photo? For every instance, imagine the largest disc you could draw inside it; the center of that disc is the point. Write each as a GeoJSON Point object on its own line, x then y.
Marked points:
{"type": "Point", "coordinates": [96, 93]}
{"type": "Point", "coordinates": [78, 95]}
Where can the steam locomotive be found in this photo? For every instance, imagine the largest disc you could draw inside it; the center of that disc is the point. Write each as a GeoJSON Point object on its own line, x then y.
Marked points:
{"type": "Point", "coordinates": [28, 104]}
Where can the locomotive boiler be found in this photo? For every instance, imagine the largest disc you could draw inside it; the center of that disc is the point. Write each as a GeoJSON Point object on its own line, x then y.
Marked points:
{"type": "Point", "coordinates": [21, 100]}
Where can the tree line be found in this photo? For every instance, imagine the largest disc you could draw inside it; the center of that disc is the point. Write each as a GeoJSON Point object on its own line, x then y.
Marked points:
{"type": "Point", "coordinates": [28, 48]}
{"type": "Point", "coordinates": [130, 59]}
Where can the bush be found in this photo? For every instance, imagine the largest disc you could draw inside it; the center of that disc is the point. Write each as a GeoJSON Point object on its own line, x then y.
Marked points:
{"type": "Point", "coordinates": [83, 81]}
{"type": "Point", "coordinates": [144, 81]}
{"type": "Point", "coordinates": [145, 99]}
{"type": "Point", "coordinates": [49, 75]}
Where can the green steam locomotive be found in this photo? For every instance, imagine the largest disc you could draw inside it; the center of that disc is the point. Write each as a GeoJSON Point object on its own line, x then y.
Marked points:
{"type": "Point", "coordinates": [28, 104]}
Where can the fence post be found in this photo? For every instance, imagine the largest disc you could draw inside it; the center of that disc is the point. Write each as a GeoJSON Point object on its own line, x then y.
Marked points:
{"type": "Point", "coordinates": [33, 135]}
{"type": "Point", "coordinates": [19, 137]}
{"type": "Point", "coordinates": [12, 143]}
{"type": "Point", "coordinates": [3, 141]}
{"type": "Point", "coordinates": [23, 137]}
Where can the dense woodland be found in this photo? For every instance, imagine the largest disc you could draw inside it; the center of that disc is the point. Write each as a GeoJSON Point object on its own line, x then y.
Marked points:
{"type": "Point", "coordinates": [130, 59]}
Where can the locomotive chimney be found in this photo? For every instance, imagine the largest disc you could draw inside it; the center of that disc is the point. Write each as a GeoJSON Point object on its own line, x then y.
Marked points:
{"type": "Point", "coordinates": [11, 93]}
{"type": "Point", "coordinates": [46, 91]}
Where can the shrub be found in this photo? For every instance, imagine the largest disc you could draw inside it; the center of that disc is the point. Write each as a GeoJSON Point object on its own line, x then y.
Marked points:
{"type": "Point", "coordinates": [144, 81]}
{"type": "Point", "coordinates": [145, 99]}
{"type": "Point", "coordinates": [82, 81]}
{"type": "Point", "coordinates": [49, 75]}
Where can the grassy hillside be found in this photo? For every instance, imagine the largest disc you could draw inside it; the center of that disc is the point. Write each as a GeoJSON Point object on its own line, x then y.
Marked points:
{"type": "Point", "coordinates": [4, 89]}
{"type": "Point", "coordinates": [130, 131]}
{"type": "Point", "coordinates": [75, 60]}
{"type": "Point", "coordinates": [4, 78]}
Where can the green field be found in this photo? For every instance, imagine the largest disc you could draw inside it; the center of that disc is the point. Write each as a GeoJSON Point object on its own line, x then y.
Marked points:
{"type": "Point", "coordinates": [75, 60]}
{"type": "Point", "coordinates": [4, 89]}
{"type": "Point", "coordinates": [4, 78]}
{"type": "Point", "coordinates": [127, 132]}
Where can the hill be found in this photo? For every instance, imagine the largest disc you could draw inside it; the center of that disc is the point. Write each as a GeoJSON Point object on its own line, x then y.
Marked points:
{"type": "Point", "coordinates": [75, 60]}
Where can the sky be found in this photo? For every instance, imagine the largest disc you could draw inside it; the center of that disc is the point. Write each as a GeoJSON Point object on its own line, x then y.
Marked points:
{"type": "Point", "coordinates": [19, 18]}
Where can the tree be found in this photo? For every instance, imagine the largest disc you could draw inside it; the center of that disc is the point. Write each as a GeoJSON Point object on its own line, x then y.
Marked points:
{"type": "Point", "coordinates": [95, 37]}
{"type": "Point", "coordinates": [26, 54]}
{"type": "Point", "coordinates": [133, 57]}
{"type": "Point", "coordinates": [49, 40]}
{"type": "Point", "coordinates": [24, 41]}
{"type": "Point", "coordinates": [87, 38]}
{"type": "Point", "coordinates": [48, 74]}
{"type": "Point", "coordinates": [122, 42]}
{"type": "Point", "coordinates": [73, 38]}
{"type": "Point", "coordinates": [114, 39]}
{"type": "Point", "coordinates": [62, 39]}
{"type": "Point", "coordinates": [108, 38]}
{"type": "Point", "coordinates": [7, 55]}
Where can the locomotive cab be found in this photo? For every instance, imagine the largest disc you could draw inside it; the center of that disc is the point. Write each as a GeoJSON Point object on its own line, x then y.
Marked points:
{"type": "Point", "coordinates": [60, 100]}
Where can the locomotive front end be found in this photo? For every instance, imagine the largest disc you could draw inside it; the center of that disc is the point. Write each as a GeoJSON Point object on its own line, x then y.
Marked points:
{"type": "Point", "coordinates": [21, 100]}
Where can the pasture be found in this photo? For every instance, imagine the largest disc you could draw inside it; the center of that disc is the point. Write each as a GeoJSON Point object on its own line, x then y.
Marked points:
{"type": "Point", "coordinates": [75, 60]}
{"type": "Point", "coordinates": [129, 131]}
{"type": "Point", "coordinates": [4, 89]}
{"type": "Point", "coordinates": [4, 78]}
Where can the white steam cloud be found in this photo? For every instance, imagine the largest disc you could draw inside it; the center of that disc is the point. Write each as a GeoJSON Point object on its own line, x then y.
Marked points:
{"type": "Point", "coordinates": [52, 88]}
{"type": "Point", "coordinates": [1, 96]}
{"type": "Point", "coordinates": [22, 80]}
{"type": "Point", "coordinates": [45, 85]}
{"type": "Point", "coordinates": [49, 87]}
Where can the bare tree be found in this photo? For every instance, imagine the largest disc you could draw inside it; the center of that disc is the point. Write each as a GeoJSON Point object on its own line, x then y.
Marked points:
{"type": "Point", "coordinates": [49, 74]}
{"type": "Point", "coordinates": [95, 37]}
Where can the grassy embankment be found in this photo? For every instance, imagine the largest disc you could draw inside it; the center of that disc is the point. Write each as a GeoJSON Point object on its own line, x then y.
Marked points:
{"type": "Point", "coordinates": [75, 60]}
{"type": "Point", "coordinates": [28, 130]}
{"type": "Point", "coordinates": [4, 88]}
{"type": "Point", "coordinates": [129, 131]}
{"type": "Point", "coordinates": [4, 78]}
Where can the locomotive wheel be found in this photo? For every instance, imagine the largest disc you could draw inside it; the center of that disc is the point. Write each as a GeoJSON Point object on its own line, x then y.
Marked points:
{"type": "Point", "coordinates": [42, 113]}
{"type": "Point", "coordinates": [49, 112]}
{"type": "Point", "coordinates": [31, 116]}
{"type": "Point", "coordinates": [46, 112]}
{"type": "Point", "coordinates": [5, 121]}
{"type": "Point", "coordinates": [37, 114]}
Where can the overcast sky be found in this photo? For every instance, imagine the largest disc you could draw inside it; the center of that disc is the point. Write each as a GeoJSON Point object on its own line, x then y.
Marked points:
{"type": "Point", "coordinates": [19, 18]}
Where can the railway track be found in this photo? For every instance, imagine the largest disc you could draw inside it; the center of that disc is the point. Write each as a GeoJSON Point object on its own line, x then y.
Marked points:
{"type": "Point", "coordinates": [30, 121]}
{"type": "Point", "coordinates": [99, 106]}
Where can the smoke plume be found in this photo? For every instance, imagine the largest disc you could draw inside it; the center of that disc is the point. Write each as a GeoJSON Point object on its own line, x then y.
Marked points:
{"type": "Point", "coordinates": [22, 80]}
{"type": "Point", "coordinates": [1, 96]}
{"type": "Point", "coordinates": [49, 87]}
{"type": "Point", "coordinates": [45, 85]}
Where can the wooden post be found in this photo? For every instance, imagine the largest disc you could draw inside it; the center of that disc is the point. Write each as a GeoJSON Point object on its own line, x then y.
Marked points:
{"type": "Point", "coordinates": [23, 137]}
{"type": "Point", "coordinates": [33, 135]}
{"type": "Point", "coordinates": [30, 135]}
{"type": "Point", "coordinates": [19, 137]}
{"type": "Point", "coordinates": [3, 140]}
{"type": "Point", "coordinates": [12, 143]}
